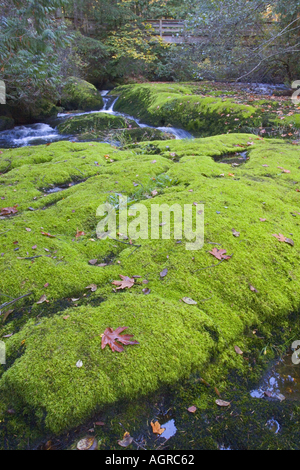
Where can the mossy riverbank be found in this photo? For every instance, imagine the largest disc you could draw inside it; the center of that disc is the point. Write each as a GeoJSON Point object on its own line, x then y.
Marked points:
{"type": "Point", "coordinates": [41, 380]}
{"type": "Point", "coordinates": [209, 109]}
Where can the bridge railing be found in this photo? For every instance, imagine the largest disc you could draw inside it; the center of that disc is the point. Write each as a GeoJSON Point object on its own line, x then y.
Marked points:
{"type": "Point", "coordinates": [166, 27]}
{"type": "Point", "coordinates": [161, 27]}
{"type": "Point", "coordinates": [171, 31]}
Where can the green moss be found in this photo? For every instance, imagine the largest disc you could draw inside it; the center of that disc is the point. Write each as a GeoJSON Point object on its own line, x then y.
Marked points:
{"type": "Point", "coordinates": [203, 109]}
{"type": "Point", "coordinates": [141, 134]}
{"type": "Point", "coordinates": [79, 94]}
{"type": "Point", "coordinates": [94, 123]}
{"type": "Point", "coordinates": [181, 106]}
{"type": "Point", "coordinates": [41, 378]}
{"type": "Point", "coordinates": [291, 121]}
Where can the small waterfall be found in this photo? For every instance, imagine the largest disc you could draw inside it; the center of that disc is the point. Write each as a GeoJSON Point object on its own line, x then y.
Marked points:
{"type": "Point", "coordinates": [109, 105]}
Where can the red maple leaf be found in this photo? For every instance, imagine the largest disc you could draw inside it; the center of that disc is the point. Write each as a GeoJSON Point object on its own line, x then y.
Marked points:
{"type": "Point", "coordinates": [219, 254]}
{"type": "Point", "coordinates": [111, 337]}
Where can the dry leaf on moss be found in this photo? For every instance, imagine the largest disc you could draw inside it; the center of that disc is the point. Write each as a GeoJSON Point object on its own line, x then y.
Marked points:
{"type": "Point", "coordinates": [189, 301]}
{"type": "Point", "coordinates": [93, 287]}
{"type": "Point", "coordinates": [219, 254]}
{"type": "Point", "coordinates": [126, 441]}
{"type": "Point", "coordinates": [42, 299]}
{"type": "Point", "coordinates": [156, 428]}
{"type": "Point", "coordinates": [192, 409]}
{"type": "Point", "coordinates": [238, 350]}
{"type": "Point", "coordinates": [126, 282]}
{"type": "Point", "coordinates": [222, 403]}
{"type": "Point", "coordinates": [111, 337]}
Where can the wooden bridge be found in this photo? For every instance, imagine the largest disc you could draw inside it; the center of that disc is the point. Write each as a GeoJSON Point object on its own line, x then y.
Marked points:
{"type": "Point", "coordinates": [171, 31]}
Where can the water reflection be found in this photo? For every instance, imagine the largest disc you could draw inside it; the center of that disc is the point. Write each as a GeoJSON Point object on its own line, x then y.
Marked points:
{"type": "Point", "coordinates": [170, 429]}
{"type": "Point", "coordinates": [282, 382]}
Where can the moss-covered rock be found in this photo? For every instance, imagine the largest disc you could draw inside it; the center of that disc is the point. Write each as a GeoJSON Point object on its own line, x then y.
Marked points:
{"type": "Point", "coordinates": [41, 378]}
{"type": "Point", "coordinates": [110, 127]}
{"type": "Point", "coordinates": [142, 134]}
{"type": "Point", "coordinates": [202, 109]}
{"type": "Point", "coordinates": [78, 94]}
{"type": "Point", "coordinates": [95, 124]}
{"type": "Point", "coordinates": [6, 123]}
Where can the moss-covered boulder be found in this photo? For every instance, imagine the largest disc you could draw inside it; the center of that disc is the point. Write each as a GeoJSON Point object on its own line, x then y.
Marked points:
{"type": "Point", "coordinates": [77, 94]}
{"type": "Point", "coordinates": [95, 124]}
{"type": "Point", "coordinates": [6, 123]}
{"type": "Point", "coordinates": [204, 110]}
{"type": "Point", "coordinates": [142, 134]}
{"type": "Point", "coordinates": [48, 245]}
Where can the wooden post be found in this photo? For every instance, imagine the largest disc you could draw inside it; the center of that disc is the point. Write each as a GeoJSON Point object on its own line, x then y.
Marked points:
{"type": "Point", "coordinates": [161, 28]}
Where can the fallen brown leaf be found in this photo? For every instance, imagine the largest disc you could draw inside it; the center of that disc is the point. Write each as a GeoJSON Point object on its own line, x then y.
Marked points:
{"type": "Point", "coordinates": [192, 409]}
{"type": "Point", "coordinates": [8, 211]}
{"type": "Point", "coordinates": [92, 287]}
{"type": "Point", "coordinates": [279, 237]}
{"type": "Point", "coordinates": [156, 428]}
{"type": "Point", "coordinates": [110, 337]}
{"type": "Point", "coordinates": [48, 235]}
{"type": "Point", "coordinates": [282, 238]}
{"type": "Point", "coordinates": [126, 282]}
{"type": "Point", "coordinates": [42, 299]}
{"type": "Point", "coordinates": [222, 403]}
{"type": "Point", "coordinates": [146, 291]}
{"type": "Point", "coordinates": [126, 441]}
{"type": "Point", "coordinates": [189, 301]}
{"type": "Point", "coordinates": [79, 234]}
{"type": "Point", "coordinates": [238, 350]}
{"type": "Point", "coordinates": [219, 254]}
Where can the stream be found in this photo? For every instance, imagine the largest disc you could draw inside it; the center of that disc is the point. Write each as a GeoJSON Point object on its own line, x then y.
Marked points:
{"type": "Point", "coordinates": [44, 133]}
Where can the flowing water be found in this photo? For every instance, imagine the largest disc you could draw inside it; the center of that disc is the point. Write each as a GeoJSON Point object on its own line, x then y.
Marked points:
{"type": "Point", "coordinates": [43, 133]}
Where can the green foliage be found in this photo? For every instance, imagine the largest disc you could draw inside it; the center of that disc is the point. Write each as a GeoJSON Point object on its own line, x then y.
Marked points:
{"type": "Point", "coordinates": [29, 43]}
{"type": "Point", "coordinates": [256, 40]}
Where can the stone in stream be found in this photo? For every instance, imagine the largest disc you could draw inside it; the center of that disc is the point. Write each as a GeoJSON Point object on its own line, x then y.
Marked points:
{"type": "Point", "coordinates": [110, 127]}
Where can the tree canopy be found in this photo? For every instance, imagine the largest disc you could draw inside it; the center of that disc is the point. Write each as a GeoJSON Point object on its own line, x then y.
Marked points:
{"type": "Point", "coordinates": [42, 42]}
